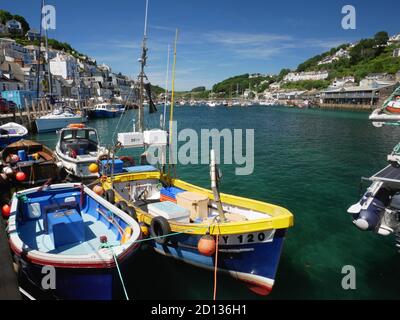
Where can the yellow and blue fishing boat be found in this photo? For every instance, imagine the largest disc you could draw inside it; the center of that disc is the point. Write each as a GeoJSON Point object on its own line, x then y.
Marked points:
{"type": "Point", "coordinates": [249, 241]}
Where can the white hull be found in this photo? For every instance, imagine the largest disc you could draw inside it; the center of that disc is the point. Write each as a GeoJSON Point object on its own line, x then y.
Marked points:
{"type": "Point", "coordinates": [78, 167]}
{"type": "Point", "coordinates": [53, 124]}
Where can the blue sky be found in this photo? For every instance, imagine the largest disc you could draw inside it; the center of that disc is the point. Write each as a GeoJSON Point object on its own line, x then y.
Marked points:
{"type": "Point", "coordinates": [217, 39]}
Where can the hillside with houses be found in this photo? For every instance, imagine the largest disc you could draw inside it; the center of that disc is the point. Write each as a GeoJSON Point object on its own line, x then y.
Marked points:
{"type": "Point", "coordinates": [352, 75]}
{"type": "Point", "coordinates": [59, 69]}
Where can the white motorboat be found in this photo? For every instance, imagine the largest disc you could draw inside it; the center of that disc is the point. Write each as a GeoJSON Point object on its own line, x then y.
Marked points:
{"type": "Point", "coordinates": [11, 132]}
{"type": "Point", "coordinates": [59, 118]}
{"type": "Point", "coordinates": [77, 148]}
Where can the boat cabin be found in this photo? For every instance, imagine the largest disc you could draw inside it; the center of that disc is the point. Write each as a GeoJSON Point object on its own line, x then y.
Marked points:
{"type": "Point", "coordinates": [79, 141]}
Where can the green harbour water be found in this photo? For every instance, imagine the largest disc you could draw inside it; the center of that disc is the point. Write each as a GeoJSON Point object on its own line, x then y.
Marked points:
{"type": "Point", "coordinates": [308, 161]}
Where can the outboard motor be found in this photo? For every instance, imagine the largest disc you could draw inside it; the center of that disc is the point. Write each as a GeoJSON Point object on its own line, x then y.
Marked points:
{"type": "Point", "coordinates": [369, 218]}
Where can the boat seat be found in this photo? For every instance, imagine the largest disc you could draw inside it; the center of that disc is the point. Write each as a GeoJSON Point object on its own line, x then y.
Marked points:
{"type": "Point", "coordinates": [45, 156]}
{"type": "Point", "coordinates": [65, 227]}
{"type": "Point", "coordinates": [51, 208]}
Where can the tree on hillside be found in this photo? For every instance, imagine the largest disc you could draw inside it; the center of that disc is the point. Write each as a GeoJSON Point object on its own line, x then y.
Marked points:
{"type": "Point", "coordinates": [381, 38]}
{"type": "Point", "coordinates": [199, 89]}
{"type": "Point", "coordinates": [5, 16]}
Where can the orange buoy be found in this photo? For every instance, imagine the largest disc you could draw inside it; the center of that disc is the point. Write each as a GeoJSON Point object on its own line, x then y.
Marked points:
{"type": "Point", "coordinates": [93, 168]}
{"type": "Point", "coordinates": [76, 125]}
{"type": "Point", "coordinates": [20, 176]}
{"type": "Point", "coordinates": [98, 190]}
{"type": "Point", "coordinates": [127, 235]}
{"type": "Point", "coordinates": [144, 228]}
{"type": "Point", "coordinates": [6, 210]}
{"type": "Point", "coordinates": [206, 245]}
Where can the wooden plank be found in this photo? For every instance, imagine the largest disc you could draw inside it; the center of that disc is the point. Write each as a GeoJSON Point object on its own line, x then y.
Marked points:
{"type": "Point", "coordinates": [8, 279]}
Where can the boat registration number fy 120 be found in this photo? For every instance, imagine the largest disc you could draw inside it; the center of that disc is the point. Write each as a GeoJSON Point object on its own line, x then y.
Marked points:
{"type": "Point", "coordinates": [247, 238]}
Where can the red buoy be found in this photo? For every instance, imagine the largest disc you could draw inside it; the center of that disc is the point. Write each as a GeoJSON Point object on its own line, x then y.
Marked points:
{"type": "Point", "coordinates": [206, 245]}
{"type": "Point", "coordinates": [5, 210]}
{"type": "Point", "coordinates": [20, 176]}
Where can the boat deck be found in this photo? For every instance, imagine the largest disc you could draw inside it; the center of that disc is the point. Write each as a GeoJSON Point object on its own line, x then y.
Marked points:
{"type": "Point", "coordinates": [387, 174]}
{"type": "Point", "coordinates": [44, 243]}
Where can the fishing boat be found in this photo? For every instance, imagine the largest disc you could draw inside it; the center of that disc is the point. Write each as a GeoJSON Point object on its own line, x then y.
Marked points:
{"type": "Point", "coordinates": [59, 118]}
{"type": "Point", "coordinates": [77, 148]}
{"type": "Point", "coordinates": [389, 112]}
{"type": "Point", "coordinates": [106, 110]}
{"type": "Point", "coordinates": [70, 232]}
{"type": "Point", "coordinates": [36, 161]}
{"type": "Point", "coordinates": [378, 210]}
{"type": "Point", "coordinates": [208, 229]}
{"type": "Point", "coordinates": [11, 132]}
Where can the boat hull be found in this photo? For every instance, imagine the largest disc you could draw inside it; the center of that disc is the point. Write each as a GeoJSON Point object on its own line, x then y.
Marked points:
{"type": "Point", "coordinates": [255, 264]}
{"type": "Point", "coordinates": [105, 114]}
{"type": "Point", "coordinates": [77, 283]}
{"type": "Point", "coordinates": [4, 142]}
{"type": "Point", "coordinates": [49, 125]}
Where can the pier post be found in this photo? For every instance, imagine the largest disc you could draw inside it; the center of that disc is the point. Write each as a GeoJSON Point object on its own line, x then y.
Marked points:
{"type": "Point", "coordinates": [28, 112]}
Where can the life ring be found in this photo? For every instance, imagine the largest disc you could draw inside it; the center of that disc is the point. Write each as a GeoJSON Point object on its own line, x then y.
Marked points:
{"type": "Point", "coordinates": [132, 212]}
{"type": "Point", "coordinates": [110, 196]}
{"type": "Point", "coordinates": [76, 125]}
{"type": "Point", "coordinates": [121, 205]}
{"type": "Point", "coordinates": [128, 161]}
{"type": "Point", "coordinates": [159, 228]}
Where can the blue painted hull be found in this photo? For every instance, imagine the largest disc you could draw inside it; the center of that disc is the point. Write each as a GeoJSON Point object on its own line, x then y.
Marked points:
{"type": "Point", "coordinates": [4, 142]}
{"type": "Point", "coordinates": [79, 283]}
{"type": "Point", "coordinates": [255, 264]}
{"type": "Point", "coordinates": [105, 114]}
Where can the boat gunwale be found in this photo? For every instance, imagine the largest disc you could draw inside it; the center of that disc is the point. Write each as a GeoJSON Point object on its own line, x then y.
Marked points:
{"type": "Point", "coordinates": [279, 217]}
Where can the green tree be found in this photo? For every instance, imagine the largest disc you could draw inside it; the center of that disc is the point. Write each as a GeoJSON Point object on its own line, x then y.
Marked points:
{"type": "Point", "coordinates": [381, 38]}
{"type": "Point", "coordinates": [5, 16]}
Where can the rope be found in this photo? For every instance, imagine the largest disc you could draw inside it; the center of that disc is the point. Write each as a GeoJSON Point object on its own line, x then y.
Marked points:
{"type": "Point", "coordinates": [106, 245]}
{"type": "Point", "coordinates": [216, 268]}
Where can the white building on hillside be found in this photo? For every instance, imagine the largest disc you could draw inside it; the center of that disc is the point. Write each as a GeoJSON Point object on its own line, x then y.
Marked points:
{"type": "Point", "coordinates": [14, 26]}
{"type": "Point", "coordinates": [64, 65]}
{"type": "Point", "coordinates": [396, 52]}
{"type": "Point", "coordinates": [311, 75]}
{"type": "Point", "coordinates": [343, 82]}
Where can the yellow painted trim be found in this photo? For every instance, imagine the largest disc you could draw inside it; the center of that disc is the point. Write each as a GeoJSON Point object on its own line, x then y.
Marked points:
{"type": "Point", "coordinates": [279, 217]}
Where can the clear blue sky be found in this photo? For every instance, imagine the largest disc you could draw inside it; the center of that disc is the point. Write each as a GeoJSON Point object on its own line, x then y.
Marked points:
{"type": "Point", "coordinates": [218, 38]}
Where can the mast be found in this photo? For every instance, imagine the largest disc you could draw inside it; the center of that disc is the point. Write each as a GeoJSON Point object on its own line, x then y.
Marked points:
{"type": "Point", "coordinates": [47, 58]}
{"type": "Point", "coordinates": [166, 91]}
{"type": "Point", "coordinates": [39, 56]}
{"type": "Point", "coordinates": [142, 60]}
{"type": "Point", "coordinates": [171, 112]}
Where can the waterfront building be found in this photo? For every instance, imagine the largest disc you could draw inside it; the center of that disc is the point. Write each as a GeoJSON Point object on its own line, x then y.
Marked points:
{"type": "Point", "coordinates": [370, 95]}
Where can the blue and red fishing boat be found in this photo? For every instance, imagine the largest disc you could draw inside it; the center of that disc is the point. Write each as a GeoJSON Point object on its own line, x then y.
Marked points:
{"type": "Point", "coordinates": [73, 232]}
